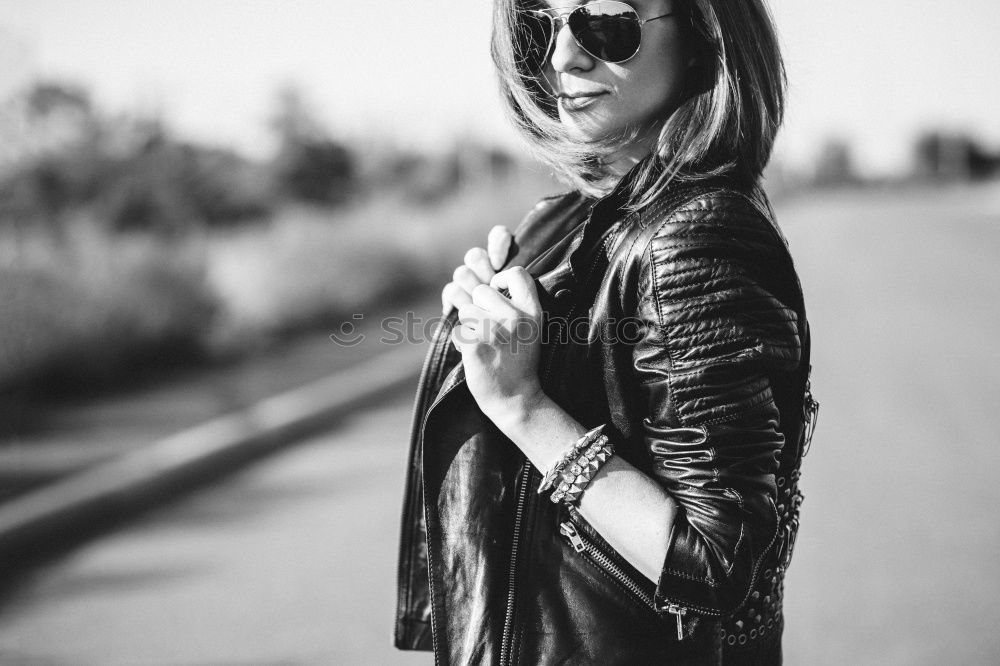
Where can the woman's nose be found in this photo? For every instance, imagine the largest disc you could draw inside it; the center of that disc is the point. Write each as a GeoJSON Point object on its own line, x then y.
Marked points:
{"type": "Point", "coordinates": [567, 54]}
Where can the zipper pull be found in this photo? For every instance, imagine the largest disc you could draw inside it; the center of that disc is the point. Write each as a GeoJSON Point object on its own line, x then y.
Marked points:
{"type": "Point", "coordinates": [674, 609]}
{"type": "Point", "coordinates": [569, 530]}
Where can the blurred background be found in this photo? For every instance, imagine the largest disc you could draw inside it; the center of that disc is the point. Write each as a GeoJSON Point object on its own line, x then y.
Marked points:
{"type": "Point", "coordinates": [195, 195]}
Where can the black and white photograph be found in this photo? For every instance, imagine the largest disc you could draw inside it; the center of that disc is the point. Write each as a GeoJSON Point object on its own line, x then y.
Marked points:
{"type": "Point", "coordinates": [504, 333]}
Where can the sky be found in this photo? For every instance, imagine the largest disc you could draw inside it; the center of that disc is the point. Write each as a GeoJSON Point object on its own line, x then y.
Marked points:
{"type": "Point", "coordinates": [872, 73]}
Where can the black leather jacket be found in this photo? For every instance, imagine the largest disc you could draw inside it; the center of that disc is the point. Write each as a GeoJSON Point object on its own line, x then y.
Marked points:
{"type": "Point", "coordinates": [683, 328]}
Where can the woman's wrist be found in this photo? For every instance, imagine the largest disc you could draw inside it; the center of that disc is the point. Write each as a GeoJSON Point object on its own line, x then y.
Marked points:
{"type": "Point", "coordinates": [539, 427]}
{"type": "Point", "coordinates": [510, 412]}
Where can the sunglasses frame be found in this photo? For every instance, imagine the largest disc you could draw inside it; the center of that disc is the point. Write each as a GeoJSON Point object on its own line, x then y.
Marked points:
{"type": "Point", "coordinates": [559, 21]}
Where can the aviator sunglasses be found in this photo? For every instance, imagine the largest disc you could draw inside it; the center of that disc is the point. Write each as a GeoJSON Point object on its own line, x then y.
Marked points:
{"type": "Point", "coordinates": [607, 30]}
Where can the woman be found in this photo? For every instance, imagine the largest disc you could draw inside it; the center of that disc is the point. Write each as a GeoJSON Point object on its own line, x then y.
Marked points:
{"type": "Point", "coordinates": [607, 433]}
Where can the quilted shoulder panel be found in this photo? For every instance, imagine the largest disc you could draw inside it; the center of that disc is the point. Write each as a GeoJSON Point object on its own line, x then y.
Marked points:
{"type": "Point", "coordinates": [719, 286]}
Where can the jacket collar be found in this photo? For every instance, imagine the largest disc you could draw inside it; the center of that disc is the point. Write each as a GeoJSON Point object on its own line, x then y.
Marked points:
{"type": "Point", "coordinates": [604, 212]}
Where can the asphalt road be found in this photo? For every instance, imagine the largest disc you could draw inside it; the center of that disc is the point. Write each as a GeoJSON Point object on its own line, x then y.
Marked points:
{"type": "Point", "coordinates": [293, 561]}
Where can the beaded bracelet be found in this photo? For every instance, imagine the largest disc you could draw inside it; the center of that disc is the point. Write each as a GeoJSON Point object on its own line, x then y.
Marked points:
{"type": "Point", "coordinates": [579, 474]}
{"type": "Point", "coordinates": [578, 447]}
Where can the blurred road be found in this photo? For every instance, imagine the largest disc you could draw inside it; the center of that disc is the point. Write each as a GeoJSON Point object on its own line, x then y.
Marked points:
{"type": "Point", "coordinates": [293, 561]}
{"type": "Point", "coordinates": [899, 539]}
{"type": "Point", "coordinates": [290, 562]}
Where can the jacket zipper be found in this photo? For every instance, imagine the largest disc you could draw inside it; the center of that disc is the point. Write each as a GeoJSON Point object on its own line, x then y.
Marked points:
{"type": "Point", "coordinates": [585, 547]}
{"type": "Point", "coordinates": [582, 545]}
{"type": "Point", "coordinates": [506, 649]}
{"type": "Point", "coordinates": [507, 644]}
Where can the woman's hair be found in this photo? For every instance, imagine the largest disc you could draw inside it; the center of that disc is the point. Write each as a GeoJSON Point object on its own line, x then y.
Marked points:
{"type": "Point", "coordinates": [725, 125]}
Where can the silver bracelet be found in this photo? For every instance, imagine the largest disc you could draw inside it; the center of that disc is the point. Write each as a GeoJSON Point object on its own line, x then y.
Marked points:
{"type": "Point", "coordinates": [552, 475]}
{"type": "Point", "coordinates": [578, 475]}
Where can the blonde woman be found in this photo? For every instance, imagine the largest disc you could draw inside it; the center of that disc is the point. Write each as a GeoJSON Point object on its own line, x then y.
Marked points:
{"type": "Point", "coordinates": [609, 425]}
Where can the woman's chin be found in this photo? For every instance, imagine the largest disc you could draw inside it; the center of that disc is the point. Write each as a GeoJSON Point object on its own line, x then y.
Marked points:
{"type": "Point", "coordinates": [581, 127]}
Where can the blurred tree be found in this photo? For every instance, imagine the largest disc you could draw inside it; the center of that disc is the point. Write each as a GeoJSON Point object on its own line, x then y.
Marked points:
{"type": "Point", "coordinates": [835, 164]}
{"type": "Point", "coordinates": [52, 163]}
{"type": "Point", "coordinates": [783, 180]}
{"type": "Point", "coordinates": [132, 170]}
{"type": "Point", "coordinates": [172, 187]}
{"type": "Point", "coordinates": [146, 192]}
{"type": "Point", "coordinates": [425, 177]}
{"type": "Point", "coordinates": [309, 164]}
{"type": "Point", "coordinates": [501, 162]}
{"type": "Point", "coordinates": [944, 155]}
{"type": "Point", "coordinates": [46, 98]}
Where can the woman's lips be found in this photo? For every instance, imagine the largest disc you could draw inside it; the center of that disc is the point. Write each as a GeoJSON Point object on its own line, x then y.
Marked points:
{"type": "Point", "coordinates": [579, 101]}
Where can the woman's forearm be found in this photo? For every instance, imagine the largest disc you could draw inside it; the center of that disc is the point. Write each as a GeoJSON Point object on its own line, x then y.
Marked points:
{"type": "Point", "coordinates": [630, 510]}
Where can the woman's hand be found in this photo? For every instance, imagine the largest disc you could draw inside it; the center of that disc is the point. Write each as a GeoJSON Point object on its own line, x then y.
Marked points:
{"type": "Point", "coordinates": [479, 268]}
{"type": "Point", "coordinates": [500, 342]}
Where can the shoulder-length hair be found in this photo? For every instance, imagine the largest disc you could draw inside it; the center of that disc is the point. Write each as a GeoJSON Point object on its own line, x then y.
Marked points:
{"type": "Point", "coordinates": [725, 126]}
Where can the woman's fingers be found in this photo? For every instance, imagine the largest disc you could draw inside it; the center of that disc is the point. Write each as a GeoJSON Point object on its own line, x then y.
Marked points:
{"type": "Point", "coordinates": [478, 268]}
{"type": "Point", "coordinates": [472, 315]}
{"type": "Point", "coordinates": [476, 324]}
{"type": "Point", "coordinates": [492, 301]}
{"type": "Point", "coordinates": [459, 290]}
{"type": "Point", "coordinates": [498, 246]}
{"type": "Point", "coordinates": [453, 295]}
{"type": "Point", "coordinates": [465, 278]}
{"type": "Point", "coordinates": [521, 286]}
{"type": "Point", "coordinates": [479, 263]}
{"type": "Point", "coordinates": [467, 340]}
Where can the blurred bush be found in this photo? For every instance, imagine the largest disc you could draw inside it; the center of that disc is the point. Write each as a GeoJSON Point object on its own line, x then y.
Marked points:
{"type": "Point", "coordinates": [124, 249]}
{"type": "Point", "coordinates": [312, 267]}
{"type": "Point", "coordinates": [91, 309]}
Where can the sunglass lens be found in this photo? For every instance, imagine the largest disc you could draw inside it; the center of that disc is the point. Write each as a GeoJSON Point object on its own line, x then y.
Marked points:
{"type": "Point", "coordinates": [607, 31]}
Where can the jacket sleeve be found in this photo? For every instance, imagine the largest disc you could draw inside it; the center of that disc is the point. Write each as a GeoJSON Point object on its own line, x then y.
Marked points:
{"type": "Point", "coordinates": [716, 331]}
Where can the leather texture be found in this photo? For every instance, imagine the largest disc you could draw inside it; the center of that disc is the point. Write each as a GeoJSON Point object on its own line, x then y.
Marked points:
{"type": "Point", "coordinates": [683, 328]}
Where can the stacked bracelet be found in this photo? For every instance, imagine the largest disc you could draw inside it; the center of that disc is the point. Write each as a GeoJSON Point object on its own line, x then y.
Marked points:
{"type": "Point", "coordinates": [577, 475]}
{"type": "Point", "coordinates": [578, 447]}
